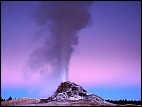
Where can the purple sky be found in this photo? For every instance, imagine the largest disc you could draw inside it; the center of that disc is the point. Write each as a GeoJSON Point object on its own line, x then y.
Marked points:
{"type": "Point", "coordinates": [106, 61]}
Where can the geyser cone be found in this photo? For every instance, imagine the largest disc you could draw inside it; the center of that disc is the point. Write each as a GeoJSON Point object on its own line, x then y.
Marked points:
{"type": "Point", "coordinates": [69, 91]}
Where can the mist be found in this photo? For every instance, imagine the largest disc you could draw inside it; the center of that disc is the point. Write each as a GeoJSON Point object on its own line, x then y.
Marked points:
{"type": "Point", "coordinates": [60, 22]}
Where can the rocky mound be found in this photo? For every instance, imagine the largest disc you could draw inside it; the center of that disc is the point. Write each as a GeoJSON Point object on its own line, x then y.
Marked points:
{"type": "Point", "coordinates": [20, 102]}
{"type": "Point", "coordinates": [67, 94]}
{"type": "Point", "coordinates": [69, 91]}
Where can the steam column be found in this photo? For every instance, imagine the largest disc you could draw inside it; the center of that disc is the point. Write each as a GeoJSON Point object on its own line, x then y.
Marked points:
{"type": "Point", "coordinates": [63, 68]}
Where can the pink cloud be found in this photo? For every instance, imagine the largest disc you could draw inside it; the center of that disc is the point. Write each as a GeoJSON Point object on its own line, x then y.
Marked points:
{"type": "Point", "coordinates": [16, 77]}
{"type": "Point", "coordinates": [97, 71]}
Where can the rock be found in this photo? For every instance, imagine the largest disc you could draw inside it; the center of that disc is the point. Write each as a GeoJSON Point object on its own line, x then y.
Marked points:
{"type": "Point", "coordinates": [69, 91]}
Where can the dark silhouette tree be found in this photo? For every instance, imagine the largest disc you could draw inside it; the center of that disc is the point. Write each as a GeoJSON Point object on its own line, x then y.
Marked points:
{"type": "Point", "coordinates": [125, 101]}
{"type": "Point", "coordinates": [10, 98]}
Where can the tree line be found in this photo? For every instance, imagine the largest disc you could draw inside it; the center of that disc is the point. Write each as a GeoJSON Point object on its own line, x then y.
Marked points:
{"type": "Point", "coordinates": [125, 101]}
{"type": "Point", "coordinates": [10, 98]}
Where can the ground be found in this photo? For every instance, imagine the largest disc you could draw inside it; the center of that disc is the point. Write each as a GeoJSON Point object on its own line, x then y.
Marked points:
{"type": "Point", "coordinates": [36, 102]}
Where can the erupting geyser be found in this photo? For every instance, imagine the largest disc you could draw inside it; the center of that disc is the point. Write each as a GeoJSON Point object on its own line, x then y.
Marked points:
{"type": "Point", "coordinates": [63, 19]}
{"type": "Point", "coordinates": [70, 92]}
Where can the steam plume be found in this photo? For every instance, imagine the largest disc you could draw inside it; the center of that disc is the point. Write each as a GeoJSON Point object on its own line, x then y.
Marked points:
{"type": "Point", "coordinates": [64, 20]}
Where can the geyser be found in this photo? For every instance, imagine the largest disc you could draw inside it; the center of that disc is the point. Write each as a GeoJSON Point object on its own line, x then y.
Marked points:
{"type": "Point", "coordinates": [63, 20]}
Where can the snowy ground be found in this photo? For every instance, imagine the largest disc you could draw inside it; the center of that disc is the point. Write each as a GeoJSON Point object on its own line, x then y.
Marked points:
{"type": "Point", "coordinates": [36, 102]}
{"type": "Point", "coordinates": [20, 102]}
